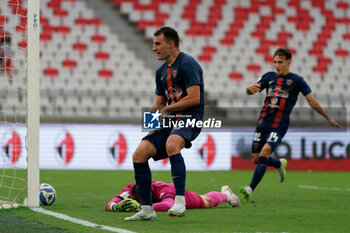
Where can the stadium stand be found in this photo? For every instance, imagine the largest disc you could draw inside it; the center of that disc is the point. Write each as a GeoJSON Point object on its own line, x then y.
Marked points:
{"type": "Point", "coordinates": [88, 72]}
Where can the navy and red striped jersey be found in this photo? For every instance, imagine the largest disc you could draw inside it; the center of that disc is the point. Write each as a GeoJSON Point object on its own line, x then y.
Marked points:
{"type": "Point", "coordinates": [281, 95]}
{"type": "Point", "coordinates": [173, 81]}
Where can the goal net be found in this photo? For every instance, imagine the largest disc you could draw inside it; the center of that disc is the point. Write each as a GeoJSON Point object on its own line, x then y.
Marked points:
{"type": "Point", "coordinates": [19, 103]}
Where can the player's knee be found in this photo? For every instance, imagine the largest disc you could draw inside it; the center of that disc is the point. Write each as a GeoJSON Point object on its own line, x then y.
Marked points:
{"type": "Point", "coordinates": [266, 150]}
{"type": "Point", "coordinates": [255, 157]}
{"type": "Point", "coordinates": [172, 148]}
{"type": "Point", "coordinates": [139, 157]}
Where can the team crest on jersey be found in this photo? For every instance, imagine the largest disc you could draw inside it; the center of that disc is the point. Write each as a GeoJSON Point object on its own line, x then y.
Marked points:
{"type": "Point", "coordinates": [174, 73]}
{"type": "Point", "coordinates": [289, 82]}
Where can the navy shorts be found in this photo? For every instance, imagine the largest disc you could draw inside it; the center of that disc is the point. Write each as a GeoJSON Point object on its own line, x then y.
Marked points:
{"type": "Point", "coordinates": [159, 137]}
{"type": "Point", "coordinates": [261, 136]}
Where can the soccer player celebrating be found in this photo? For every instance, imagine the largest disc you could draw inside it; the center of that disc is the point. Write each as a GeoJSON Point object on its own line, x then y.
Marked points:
{"type": "Point", "coordinates": [179, 92]}
{"type": "Point", "coordinates": [163, 195]}
{"type": "Point", "coordinates": [282, 90]}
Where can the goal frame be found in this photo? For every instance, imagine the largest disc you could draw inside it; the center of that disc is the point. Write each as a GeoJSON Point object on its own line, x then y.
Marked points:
{"type": "Point", "coordinates": [33, 107]}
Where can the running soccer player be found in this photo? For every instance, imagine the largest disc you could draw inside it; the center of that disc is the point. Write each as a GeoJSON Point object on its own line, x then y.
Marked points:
{"type": "Point", "coordinates": [282, 90]}
{"type": "Point", "coordinates": [179, 92]}
{"type": "Point", "coordinates": [163, 195]}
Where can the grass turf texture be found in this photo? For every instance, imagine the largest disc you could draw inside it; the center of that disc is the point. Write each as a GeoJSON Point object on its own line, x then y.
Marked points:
{"type": "Point", "coordinates": [275, 208]}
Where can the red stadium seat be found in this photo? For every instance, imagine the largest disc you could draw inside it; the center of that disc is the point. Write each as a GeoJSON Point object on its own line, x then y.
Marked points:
{"type": "Point", "coordinates": [3, 20]}
{"type": "Point", "coordinates": [95, 22]}
{"type": "Point", "coordinates": [22, 44]}
{"type": "Point", "coordinates": [344, 20]}
{"type": "Point", "coordinates": [48, 29]}
{"type": "Point", "coordinates": [236, 76]}
{"type": "Point", "coordinates": [100, 55]}
{"type": "Point", "coordinates": [207, 53]}
{"type": "Point", "coordinates": [51, 72]}
{"type": "Point", "coordinates": [347, 36]}
{"type": "Point", "coordinates": [206, 58]}
{"type": "Point", "coordinates": [105, 73]}
{"type": "Point", "coordinates": [99, 39]}
{"type": "Point", "coordinates": [254, 68]}
{"type": "Point", "coordinates": [44, 21]}
{"type": "Point", "coordinates": [79, 46]}
{"type": "Point", "coordinates": [320, 69]}
{"type": "Point", "coordinates": [63, 29]}
{"type": "Point", "coordinates": [22, 26]}
{"type": "Point", "coordinates": [60, 13]}
{"type": "Point", "coordinates": [44, 37]}
{"type": "Point", "coordinates": [200, 28]}
{"type": "Point", "coordinates": [343, 5]}
{"type": "Point", "coordinates": [342, 53]}
{"type": "Point", "coordinates": [69, 64]}
{"type": "Point", "coordinates": [81, 21]}
{"type": "Point", "coordinates": [54, 4]}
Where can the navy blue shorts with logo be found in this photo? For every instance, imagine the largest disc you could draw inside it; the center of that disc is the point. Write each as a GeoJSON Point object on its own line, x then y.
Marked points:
{"type": "Point", "coordinates": [159, 137]}
{"type": "Point", "coordinates": [262, 136]}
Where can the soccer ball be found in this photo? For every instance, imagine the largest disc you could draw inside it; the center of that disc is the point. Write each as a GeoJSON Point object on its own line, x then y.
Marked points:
{"type": "Point", "coordinates": [47, 194]}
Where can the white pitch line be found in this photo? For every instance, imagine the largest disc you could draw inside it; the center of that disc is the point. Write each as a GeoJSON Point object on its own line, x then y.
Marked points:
{"type": "Point", "coordinates": [322, 188]}
{"type": "Point", "coordinates": [79, 221]}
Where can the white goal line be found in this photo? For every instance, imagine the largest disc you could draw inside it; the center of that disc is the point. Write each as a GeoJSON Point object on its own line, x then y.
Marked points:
{"type": "Point", "coordinates": [79, 221]}
{"type": "Point", "coordinates": [323, 188]}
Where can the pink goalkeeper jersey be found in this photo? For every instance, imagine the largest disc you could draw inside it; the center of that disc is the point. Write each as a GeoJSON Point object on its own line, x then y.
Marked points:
{"type": "Point", "coordinates": [163, 195]}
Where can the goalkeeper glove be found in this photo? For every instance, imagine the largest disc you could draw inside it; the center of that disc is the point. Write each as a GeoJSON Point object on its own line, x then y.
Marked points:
{"type": "Point", "coordinates": [127, 205]}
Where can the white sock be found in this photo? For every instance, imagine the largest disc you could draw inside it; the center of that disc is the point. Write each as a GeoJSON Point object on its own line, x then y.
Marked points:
{"type": "Point", "coordinates": [147, 208]}
{"type": "Point", "coordinates": [180, 198]}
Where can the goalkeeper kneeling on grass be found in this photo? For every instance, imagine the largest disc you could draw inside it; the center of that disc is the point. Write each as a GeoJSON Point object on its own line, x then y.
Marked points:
{"type": "Point", "coordinates": [163, 194]}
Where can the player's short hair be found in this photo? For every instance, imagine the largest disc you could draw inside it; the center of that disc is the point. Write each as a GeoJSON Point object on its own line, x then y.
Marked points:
{"type": "Point", "coordinates": [283, 52]}
{"type": "Point", "coordinates": [134, 194]}
{"type": "Point", "coordinates": [169, 34]}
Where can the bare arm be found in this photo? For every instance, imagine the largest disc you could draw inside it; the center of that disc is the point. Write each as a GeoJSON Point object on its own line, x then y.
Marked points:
{"type": "Point", "coordinates": [253, 88]}
{"type": "Point", "coordinates": [159, 103]}
{"type": "Point", "coordinates": [316, 106]}
{"type": "Point", "coordinates": [193, 98]}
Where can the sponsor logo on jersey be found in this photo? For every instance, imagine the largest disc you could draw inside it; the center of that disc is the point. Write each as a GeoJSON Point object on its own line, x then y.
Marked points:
{"type": "Point", "coordinates": [178, 92]}
{"type": "Point", "coordinates": [274, 100]}
{"type": "Point", "coordinates": [281, 93]}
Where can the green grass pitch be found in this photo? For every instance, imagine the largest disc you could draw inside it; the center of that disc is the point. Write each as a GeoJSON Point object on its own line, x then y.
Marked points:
{"type": "Point", "coordinates": [275, 207]}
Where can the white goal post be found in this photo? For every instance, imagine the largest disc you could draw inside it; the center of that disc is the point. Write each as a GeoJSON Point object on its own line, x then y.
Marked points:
{"type": "Point", "coordinates": [33, 108]}
{"type": "Point", "coordinates": [19, 103]}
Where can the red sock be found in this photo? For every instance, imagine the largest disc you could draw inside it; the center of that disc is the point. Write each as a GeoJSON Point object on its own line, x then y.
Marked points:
{"type": "Point", "coordinates": [216, 198]}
